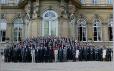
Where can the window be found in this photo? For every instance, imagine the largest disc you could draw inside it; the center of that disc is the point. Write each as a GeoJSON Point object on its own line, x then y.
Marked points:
{"type": "Point", "coordinates": [3, 2]}
{"type": "Point", "coordinates": [110, 32]}
{"type": "Point", "coordinates": [18, 29]}
{"type": "Point", "coordinates": [82, 1]}
{"type": "Point", "coordinates": [50, 23]}
{"type": "Point", "coordinates": [9, 1]}
{"type": "Point", "coordinates": [109, 1]}
{"type": "Point", "coordinates": [95, 1]}
{"type": "Point", "coordinates": [82, 30]}
{"type": "Point", "coordinates": [3, 25]}
{"type": "Point", "coordinates": [97, 30]}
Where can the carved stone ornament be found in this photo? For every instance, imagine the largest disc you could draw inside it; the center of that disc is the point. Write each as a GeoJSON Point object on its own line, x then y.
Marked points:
{"type": "Point", "coordinates": [2, 16]}
{"type": "Point", "coordinates": [35, 10]}
{"type": "Point", "coordinates": [72, 19]}
{"type": "Point", "coordinates": [72, 9]}
{"type": "Point", "coordinates": [27, 11]}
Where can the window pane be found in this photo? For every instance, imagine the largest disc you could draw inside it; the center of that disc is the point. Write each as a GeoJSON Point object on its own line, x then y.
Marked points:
{"type": "Point", "coordinates": [95, 34]}
{"type": "Point", "coordinates": [46, 24]}
{"type": "Point", "coordinates": [15, 35]}
{"type": "Point", "coordinates": [99, 36]}
{"type": "Point", "coordinates": [82, 1]}
{"type": "Point", "coordinates": [49, 14]}
{"type": "Point", "coordinates": [19, 36]}
{"type": "Point", "coordinates": [84, 37]}
{"type": "Point", "coordinates": [80, 33]}
{"type": "Point", "coordinates": [110, 33]}
{"type": "Point", "coordinates": [109, 1]}
{"type": "Point", "coordinates": [53, 28]}
{"type": "Point", "coordinates": [3, 35]}
{"type": "Point", "coordinates": [84, 33]}
{"type": "Point", "coordinates": [95, 29]}
{"type": "Point", "coordinates": [46, 28]}
{"type": "Point", "coordinates": [15, 38]}
{"type": "Point", "coordinates": [46, 32]}
{"type": "Point", "coordinates": [95, 1]}
{"type": "Point", "coordinates": [0, 36]}
{"type": "Point", "coordinates": [95, 38]}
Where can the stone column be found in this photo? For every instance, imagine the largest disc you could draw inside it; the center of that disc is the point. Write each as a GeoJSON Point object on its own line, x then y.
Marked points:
{"type": "Point", "coordinates": [9, 30]}
{"type": "Point", "coordinates": [37, 22]}
{"type": "Point", "coordinates": [25, 28]}
{"type": "Point", "coordinates": [30, 29]}
{"type": "Point", "coordinates": [64, 24]}
{"type": "Point", "coordinates": [65, 28]}
{"type": "Point", "coordinates": [105, 36]}
{"type": "Point", "coordinates": [59, 26]}
{"type": "Point", "coordinates": [72, 19]}
{"type": "Point", "coordinates": [39, 26]}
{"type": "Point", "coordinates": [90, 31]}
{"type": "Point", "coordinates": [34, 28]}
{"type": "Point", "coordinates": [72, 27]}
{"type": "Point", "coordinates": [27, 21]}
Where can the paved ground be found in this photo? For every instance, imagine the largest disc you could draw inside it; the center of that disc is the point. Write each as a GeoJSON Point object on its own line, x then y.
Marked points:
{"type": "Point", "coordinates": [65, 66]}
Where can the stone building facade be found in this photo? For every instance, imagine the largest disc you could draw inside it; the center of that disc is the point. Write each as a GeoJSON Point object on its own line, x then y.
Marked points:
{"type": "Point", "coordinates": [82, 20]}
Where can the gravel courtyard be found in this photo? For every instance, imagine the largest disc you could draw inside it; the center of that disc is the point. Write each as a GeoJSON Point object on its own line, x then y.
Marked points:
{"type": "Point", "coordinates": [66, 66]}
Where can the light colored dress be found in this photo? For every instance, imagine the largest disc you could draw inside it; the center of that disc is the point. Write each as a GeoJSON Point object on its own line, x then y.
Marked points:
{"type": "Point", "coordinates": [104, 53]}
{"type": "Point", "coordinates": [77, 53]}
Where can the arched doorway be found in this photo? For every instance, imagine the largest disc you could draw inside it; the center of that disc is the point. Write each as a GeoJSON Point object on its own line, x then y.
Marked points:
{"type": "Point", "coordinates": [50, 23]}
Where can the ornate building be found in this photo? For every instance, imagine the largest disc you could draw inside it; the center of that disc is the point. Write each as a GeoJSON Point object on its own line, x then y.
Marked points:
{"type": "Point", "coordinates": [82, 20]}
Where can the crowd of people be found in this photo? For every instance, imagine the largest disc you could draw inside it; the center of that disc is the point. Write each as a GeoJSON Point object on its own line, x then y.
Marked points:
{"type": "Point", "coordinates": [55, 49]}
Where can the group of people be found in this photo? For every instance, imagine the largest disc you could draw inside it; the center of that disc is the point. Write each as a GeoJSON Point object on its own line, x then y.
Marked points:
{"type": "Point", "coordinates": [55, 49]}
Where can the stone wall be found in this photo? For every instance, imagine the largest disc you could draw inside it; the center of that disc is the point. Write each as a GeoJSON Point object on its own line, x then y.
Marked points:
{"type": "Point", "coordinates": [64, 27]}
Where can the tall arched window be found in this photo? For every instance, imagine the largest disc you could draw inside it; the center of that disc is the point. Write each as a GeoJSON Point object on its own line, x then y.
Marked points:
{"type": "Point", "coordinates": [82, 1]}
{"type": "Point", "coordinates": [95, 1]}
{"type": "Point", "coordinates": [18, 29]}
{"type": "Point", "coordinates": [50, 23]}
{"type": "Point", "coordinates": [3, 26]}
{"type": "Point", "coordinates": [97, 30]}
{"type": "Point", "coordinates": [82, 30]}
{"type": "Point", "coordinates": [110, 32]}
{"type": "Point", "coordinates": [109, 1]}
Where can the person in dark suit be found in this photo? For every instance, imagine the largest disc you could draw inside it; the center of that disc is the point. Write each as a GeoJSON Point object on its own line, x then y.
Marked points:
{"type": "Point", "coordinates": [52, 58]}
{"type": "Point", "coordinates": [36, 54]}
{"type": "Point", "coordinates": [60, 55]}
{"type": "Point", "coordinates": [80, 53]}
{"type": "Point", "coordinates": [68, 53]}
{"type": "Point", "coordinates": [88, 53]}
{"type": "Point", "coordinates": [23, 54]}
{"type": "Point", "coordinates": [5, 55]}
{"type": "Point", "coordinates": [39, 54]}
{"type": "Point", "coordinates": [108, 54]}
{"type": "Point", "coordinates": [100, 54]}
{"type": "Point", "coordinates": [46, 54]}
{"type": "Point", "coordinates": [96, 54]}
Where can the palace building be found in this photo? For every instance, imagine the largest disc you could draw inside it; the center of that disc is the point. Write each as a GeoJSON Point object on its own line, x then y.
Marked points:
{"type": "Point", "coordinates": [82, 20]}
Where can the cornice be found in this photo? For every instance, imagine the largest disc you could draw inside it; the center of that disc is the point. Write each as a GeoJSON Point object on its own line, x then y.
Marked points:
{"type": "Point", "coordinates": [77, 3]}
{"type": "Point", "coordinates": [96, 6]}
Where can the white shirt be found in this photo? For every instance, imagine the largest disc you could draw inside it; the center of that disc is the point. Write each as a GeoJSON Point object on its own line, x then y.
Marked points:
{"type": "Point", "coordinates": [77, 53]}
{"type": "Point", "coordinates": [104, 53]}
